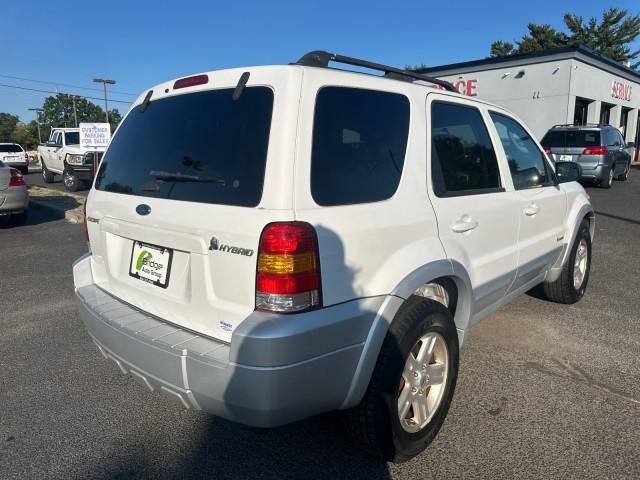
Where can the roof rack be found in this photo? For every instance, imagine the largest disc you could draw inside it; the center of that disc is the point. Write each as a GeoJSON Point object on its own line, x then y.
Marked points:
{"type": "Point", "coordinates": [581, 125]}
{"type": "Point", "coordinates": [320, 58]}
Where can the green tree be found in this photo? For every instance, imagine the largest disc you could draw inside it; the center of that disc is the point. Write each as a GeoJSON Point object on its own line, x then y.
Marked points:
{"type": "Point", "coordinates": [58, 111]}
{"type": "Point", "coordinates": [501, 49]}
{"type": "Point", "coordinates": [26, 134]}
{"type": "Point", "coordinates": [611, 36]}
{"type": "Point", "coordinates": [8, 123]}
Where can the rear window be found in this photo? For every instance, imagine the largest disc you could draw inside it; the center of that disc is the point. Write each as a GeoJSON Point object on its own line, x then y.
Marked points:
{"type": "Point", "coordinates": [571, 138]}
{"type": "Point", "coordinates": [199, 147]}
{"type": "Point", "coordinates": [359, 143]}
{"type": "Point", "coordinates": [11, 148]}
{"type": "Point", "coordinates": [72, 138]}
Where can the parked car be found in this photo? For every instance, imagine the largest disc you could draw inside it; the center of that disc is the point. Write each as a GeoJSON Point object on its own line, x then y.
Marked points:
{"type": "Point", "coordinates": [63, 155]}
{"type": "Point", "coordinates": [599, 149]}
{"type": "Point", "coordinates": [13, 155]}
{"type": "Point", "coordinates": [265, 245]}
{"type": "Point", "coordinates": [14, 198]}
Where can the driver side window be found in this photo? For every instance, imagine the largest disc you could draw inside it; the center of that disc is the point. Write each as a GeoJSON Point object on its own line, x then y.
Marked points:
{"type": "Point", "coordinates": [526, 161]}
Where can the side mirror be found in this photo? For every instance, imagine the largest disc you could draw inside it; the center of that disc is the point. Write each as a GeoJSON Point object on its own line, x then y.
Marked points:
{"type": "Point", "coordinates": [51, 144]}
{"type": "Point", "coordinates": [568, 172]}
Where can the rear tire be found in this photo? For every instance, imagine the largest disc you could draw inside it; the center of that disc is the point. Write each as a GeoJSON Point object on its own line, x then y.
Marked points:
{"type": "Point", "coordinates": [565, 289]}
{"type": "Point", "coordinates": [377, 425]}
{"type": "Point", "coordinates": [606, 182]}
{"type": "Point", "coordinates": [624, 175]}
{"type": "Point", "coordinates": [47, 176]}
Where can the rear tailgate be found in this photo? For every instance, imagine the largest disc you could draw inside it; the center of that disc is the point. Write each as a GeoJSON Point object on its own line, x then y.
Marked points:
{"type": "Point", "coordinates": [204, 289]}
{"type": "Point", "coordinates": [184, 192]}
{"type": "Point", "coordinates": [568, 145]}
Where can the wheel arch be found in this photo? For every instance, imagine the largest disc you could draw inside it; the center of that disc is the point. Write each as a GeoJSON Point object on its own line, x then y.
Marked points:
{"type": "Point", "coordinates": [452, 276]}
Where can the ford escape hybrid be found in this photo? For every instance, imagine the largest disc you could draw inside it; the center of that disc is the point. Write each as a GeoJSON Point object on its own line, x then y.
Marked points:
{"type": "Point", "coordinates": [270, 243]}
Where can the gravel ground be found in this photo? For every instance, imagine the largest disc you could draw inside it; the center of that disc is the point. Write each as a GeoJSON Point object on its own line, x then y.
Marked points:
{"type": "Point", "coordinates": [545, 391]}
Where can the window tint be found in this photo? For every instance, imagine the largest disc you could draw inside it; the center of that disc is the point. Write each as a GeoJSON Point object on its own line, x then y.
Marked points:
{"type": "Point", "coordinates": [11, 148]}
{"type": "Point", "coordinates": [463, 159]}
{"type": "Point", "coordinates": [72, 138]}
{"type": "Point", "coordinates": [526, 161]}
{"type": "Point", "coordinates": [359, 143]}
{"type": "Point", "coordinates": [198, 147]}
{"type": "Point", "coordinates": [571, 138]}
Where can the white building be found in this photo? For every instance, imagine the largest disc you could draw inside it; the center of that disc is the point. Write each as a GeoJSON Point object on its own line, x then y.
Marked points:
{"type": "Point", "coordinates": [558, 86]}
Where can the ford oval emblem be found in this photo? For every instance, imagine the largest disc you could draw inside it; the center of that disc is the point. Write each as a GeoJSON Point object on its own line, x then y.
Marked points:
{"type": "Point", "coordinates": [143, 209]}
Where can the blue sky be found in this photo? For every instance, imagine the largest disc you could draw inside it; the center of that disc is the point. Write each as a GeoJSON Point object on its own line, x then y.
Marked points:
{"type": "Point", "coordinates": [140, 43]}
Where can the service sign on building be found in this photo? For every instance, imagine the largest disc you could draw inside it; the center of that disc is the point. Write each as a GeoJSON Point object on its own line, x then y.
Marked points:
{"type": "Point", "coordinates": [95, 135]}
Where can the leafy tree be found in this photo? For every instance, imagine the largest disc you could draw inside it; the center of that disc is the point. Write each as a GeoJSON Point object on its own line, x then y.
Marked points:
{"type": "Point", "coordinates": [58, 112]}
{"type": "Point", "coordinates": [501, 49]}
{"type": "Point", "coordinates": [8, 123]}
{"type": "Point", "coordinates": [611, 36]}
{"type": "Point", "coordinates": [26, 134]}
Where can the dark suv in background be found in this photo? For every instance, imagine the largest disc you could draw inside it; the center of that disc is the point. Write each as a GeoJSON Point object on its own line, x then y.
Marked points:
{"type": "Point", "coordinates": [599, 149]}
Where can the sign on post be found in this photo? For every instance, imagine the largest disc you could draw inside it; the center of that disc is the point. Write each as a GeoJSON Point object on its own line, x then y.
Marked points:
{"type": "Point", "coordinates": [95, 135]}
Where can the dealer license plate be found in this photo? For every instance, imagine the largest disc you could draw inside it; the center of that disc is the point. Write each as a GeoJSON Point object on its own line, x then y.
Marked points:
{"type": "Point", "coordinates": [151, 263]}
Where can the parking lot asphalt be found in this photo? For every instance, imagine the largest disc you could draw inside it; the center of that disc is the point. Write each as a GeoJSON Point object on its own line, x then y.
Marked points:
{"type": "Point", "coordinates": [35, 178]}
{"type": "Point", "coordinates": [545, 390]}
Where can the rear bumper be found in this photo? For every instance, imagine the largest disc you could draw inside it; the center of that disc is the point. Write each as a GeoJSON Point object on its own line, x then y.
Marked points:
{"type": "Point", "coordinates": [599, 172]}
{"type": "Point", "coordinates": [14, 200]}
{"type": "Point", "coordinates": [277, 369]}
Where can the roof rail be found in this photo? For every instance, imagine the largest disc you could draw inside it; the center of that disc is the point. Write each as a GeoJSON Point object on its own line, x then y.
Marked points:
{"type": "Point", "coordinates": [581, 125]}
{"type": "Point", "coordinates": [320, 58]}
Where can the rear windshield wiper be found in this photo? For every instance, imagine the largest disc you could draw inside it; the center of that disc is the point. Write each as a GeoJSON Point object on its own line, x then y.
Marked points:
{"type": "Point", "coordinates": [184, 177]}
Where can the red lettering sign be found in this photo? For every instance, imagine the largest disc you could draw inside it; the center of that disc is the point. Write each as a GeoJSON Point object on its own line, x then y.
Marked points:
{"type": "Point", "coordinates": [621, 90]}
{"type": "Point", "coordinates": [465, 87]}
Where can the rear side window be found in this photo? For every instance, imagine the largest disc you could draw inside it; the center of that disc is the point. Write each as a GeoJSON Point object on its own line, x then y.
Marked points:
{"type": "Point", "coordinates": [12, 148]}
{"type": "Point", "coordinates": [199, 147]}
{"type": "Point", "coordinates": [359, 144]}
{"type": "Point", "coordinates": [463, 160]}
{"type": "Point", "coordinates": [526, 161]}
{"type": "Point", "coordinates": [571, 138]}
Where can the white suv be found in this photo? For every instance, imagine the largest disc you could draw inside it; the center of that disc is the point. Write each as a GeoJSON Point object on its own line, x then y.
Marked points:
{"type": "Point", "coordinates": [270, 243]}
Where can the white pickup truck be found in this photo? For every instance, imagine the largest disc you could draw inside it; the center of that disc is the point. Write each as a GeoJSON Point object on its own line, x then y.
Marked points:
{"type": "Point", "coordinates": [63, 155]}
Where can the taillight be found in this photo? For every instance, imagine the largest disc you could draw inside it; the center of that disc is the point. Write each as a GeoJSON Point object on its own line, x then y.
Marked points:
{"type": "Point", "coordinates": [191, 81]}
{"type": "Point", "coordinates": [547, 150]}
{"type": "Point", "coordinates": [597, 150]}
{"type": "Point", "coordinates": [288, 278]}
{"type": "Point", "coordinates": [16, 180]}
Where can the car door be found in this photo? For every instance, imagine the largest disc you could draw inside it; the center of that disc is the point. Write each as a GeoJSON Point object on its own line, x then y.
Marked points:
{"type": "Point", "coordinates": [59, 153]}
{"type": "Point", "coordinates": [542, 203]}
{"type": "Point", "coordinates": [472, 197]}
{"type": "Point", "coordinates": [622, 157]}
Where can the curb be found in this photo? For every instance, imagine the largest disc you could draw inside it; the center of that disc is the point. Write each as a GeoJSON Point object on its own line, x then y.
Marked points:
{"type": "Point", "coordinates": [75, 215]}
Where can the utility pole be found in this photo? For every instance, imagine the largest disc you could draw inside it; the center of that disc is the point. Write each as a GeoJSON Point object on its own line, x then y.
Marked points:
{"type": "Point", "coordinates": [37, 110]}
{"type": "Point", "coordinates": [104, 84]}
{"type": "Point", "coordinates": [75, 113]}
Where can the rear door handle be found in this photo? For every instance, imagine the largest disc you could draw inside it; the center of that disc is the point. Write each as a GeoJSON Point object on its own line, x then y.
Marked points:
{"type": "Point", "coordinates": [465, 224]}
{"type": "Point", "coordinates": [531, 210]}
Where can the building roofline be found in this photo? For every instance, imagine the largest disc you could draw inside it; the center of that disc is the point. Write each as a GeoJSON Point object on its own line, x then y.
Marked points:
{"type": "Point", "coordinates": [575, 51]}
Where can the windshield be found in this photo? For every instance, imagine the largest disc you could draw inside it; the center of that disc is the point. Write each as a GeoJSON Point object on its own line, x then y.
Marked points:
{"type": "Point", "coordinates": [571, 138]}
{"type": "Point", "coordinates": [199, 147]}
{"type": "Point", "coordinates": [72, 138]}
{"type": "Point", "coordinates": [11, 148]}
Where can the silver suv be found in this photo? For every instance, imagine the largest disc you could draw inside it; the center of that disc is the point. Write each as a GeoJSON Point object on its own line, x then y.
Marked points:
{"type": "Point", "coordinates": [599, 149]}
